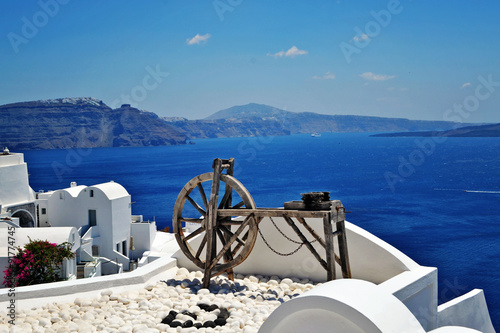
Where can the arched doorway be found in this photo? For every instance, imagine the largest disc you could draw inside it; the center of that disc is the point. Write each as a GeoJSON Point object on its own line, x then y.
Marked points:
{"type": "Point", "coordinates": [26, 220]}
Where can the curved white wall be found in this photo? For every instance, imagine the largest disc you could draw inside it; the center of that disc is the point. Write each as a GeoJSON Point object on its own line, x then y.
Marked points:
{"type": "Point", "coordinates": [347, 306]}
{"type": "Point", "coordinates": [371, 258]}
{"type": "Point", "coordinates": [14, 185]}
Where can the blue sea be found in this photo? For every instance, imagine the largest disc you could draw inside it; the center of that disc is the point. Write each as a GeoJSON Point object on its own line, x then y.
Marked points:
{"type": "Point", "coordinates": [438, 202]}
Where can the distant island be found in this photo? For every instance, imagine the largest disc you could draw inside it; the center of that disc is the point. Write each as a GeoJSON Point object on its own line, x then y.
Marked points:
{"type": "Point", "coordinates": [86, 122]}
{"type": "Point", "coordinates": [489, 130]}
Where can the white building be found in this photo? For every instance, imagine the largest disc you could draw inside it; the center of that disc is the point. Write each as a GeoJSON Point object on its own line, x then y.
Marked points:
{"type": "Point", "coordinates": [17, 199]}
{"type": "Point", "coordinates": [109, 236]}
{"type": "Point", "coordinates": [103, 217]}
{"type": "Point", "coordinates": [22, 236]}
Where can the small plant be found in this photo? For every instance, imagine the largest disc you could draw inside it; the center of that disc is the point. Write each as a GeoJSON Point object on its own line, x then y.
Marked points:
{"type": "Point", "coordinates": [39, 262]}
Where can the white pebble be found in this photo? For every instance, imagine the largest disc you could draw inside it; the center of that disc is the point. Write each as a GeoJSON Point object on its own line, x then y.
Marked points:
{"type": "Point", "coordinates": [182, 272]}
{"type": "Point", "coordinates": [44, 322]}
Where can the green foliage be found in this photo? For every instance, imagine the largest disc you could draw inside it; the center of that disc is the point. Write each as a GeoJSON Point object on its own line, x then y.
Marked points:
{"type": "Point", "coordinates": [39, 262]}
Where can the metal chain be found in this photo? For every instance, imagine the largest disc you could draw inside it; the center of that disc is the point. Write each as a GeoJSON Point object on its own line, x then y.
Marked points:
{"type": "Point", "coordinates": [291, 240]}
{"type": "Point", "coordinates": [278, 253]}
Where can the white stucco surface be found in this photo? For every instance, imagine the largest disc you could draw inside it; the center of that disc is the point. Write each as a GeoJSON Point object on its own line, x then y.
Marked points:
{"type": "Point", "coordinates": [14, 186]}
{"type": "Point", "coordinates": [418, 291]}
{"type": "Point", "coordinates": [348, 306]}
{"type": "Point", "coordinates": [469, 310]}
{"type": "Point", "coordinates": [67, 291]}
{"type": "Point", "coordinates": [371, 258]}
{"type": "Point", "coordinates": [110, 201]}
{"type": "Point", "coordinates": [112, 190]}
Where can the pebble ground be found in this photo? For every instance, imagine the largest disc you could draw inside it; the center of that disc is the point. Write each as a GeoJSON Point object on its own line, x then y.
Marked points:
{"type": "Point", "coordinates": [249, 301]}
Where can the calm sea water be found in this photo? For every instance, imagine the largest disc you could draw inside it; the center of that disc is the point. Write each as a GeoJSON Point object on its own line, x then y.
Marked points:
{"type": "Point", "coordinates": [443, 209]}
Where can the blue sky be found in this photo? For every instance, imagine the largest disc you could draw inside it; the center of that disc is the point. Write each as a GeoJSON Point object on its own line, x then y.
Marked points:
{"type": "Point", "coordinates": [412, 59]}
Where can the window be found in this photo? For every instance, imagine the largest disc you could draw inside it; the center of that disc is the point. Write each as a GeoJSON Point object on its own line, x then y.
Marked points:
{"type": "Point", "coordinates": [92, 217]}
{"type": "Point", "coordinates": [44, 211]}
{"type": "Point", "coordinates": [118, 247]}
{"type": "Point", "coordinates": [124, 248]}
{"type": "Point", "coordinates": [61, 195]}
{"type": "Point", "coordinates": [91, 193]}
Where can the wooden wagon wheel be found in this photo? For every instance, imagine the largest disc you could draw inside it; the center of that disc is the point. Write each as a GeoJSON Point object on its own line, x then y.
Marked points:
{"type": "Point", "coordinates": [232, 241]}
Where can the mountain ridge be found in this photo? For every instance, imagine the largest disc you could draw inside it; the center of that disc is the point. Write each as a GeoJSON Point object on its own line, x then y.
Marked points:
{"type": "Point", "coordinates": [475, 131]}
{"type": "Point", "coordinates": [87, 122]}
{"type": "Point", "coordinates": [81, 123]}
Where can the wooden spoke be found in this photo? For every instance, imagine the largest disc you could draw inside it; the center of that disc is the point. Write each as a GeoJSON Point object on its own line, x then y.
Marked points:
{"type": "Point", "coordinates": [227, 231]}
{"type": "Point", "coordinates": [203, 195]}
{"type": "Point", "coordinates": [228, 247]}
{"type": "Point", "coordinates": [238, 205]}
{"type": "Point", "coordinates": [231, 241]}
{"type": "Point", "coordinates": [194, 234]}
{"type": "Point", "coordinates": [191, 220]}
{"type": "Point", "coordinates": [224, 200]}
{"type": "Point", "coordinates": [238, 247]}
{"type": "Point", "coordinates": [202, 245]}
{"type": "Point", "coordinates": [195, 205]}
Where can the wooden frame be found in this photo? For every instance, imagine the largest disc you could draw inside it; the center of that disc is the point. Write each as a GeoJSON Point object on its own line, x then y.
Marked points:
{"type": "Point", "coordinates": [217, 218]}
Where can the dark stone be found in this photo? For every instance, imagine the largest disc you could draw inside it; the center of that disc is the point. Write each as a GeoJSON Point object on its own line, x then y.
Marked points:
{"type": "Point", "coordinates": [212, 308]}
{"type": "Point", "coordinates": [175, 323]}
{"type": "Point", "coordinates": [224, 314]}
{"type": "Point", "coordinates": [198, 325]}
{"type": "Point", "coordinates": [173, 313]}
{"type": "Point", "coordinates": [220, 321]}
{"type": "Point", "coordinates": [167, 320]}
{"type": "Point", "coordinates": [203, 306]}
{"type": "Point", "coordinates": [209, 323]}
{"type": "Point", "coordinates": [190, 314]}
{"type": "Point", "coordinates": [187, 323]}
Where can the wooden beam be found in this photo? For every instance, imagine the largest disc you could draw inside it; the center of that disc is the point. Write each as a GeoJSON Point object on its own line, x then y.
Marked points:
{"type": "Point", "coordinates": [212, 222]}
{"type": "Point", "coordinates": [229, 243]}
{"type": "Point", "coordinates": [330, 255]}
{"type": "Point", "coordinates": [273, 212]}
{"type": "Point", "coordinates": [306, 242]}
{"type": "Point", "coordinates": [343, 253]}
{"type": "Point", "coordinates": [311, 231]}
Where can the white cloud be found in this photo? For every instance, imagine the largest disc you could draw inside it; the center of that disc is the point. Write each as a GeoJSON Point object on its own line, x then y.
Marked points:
{"type": "Point", "coordinates": [465, 85]}
{"type": "Point", "coordinates": [360, 38]}
{"type": "Point", "coordinates": [376, 77]}
{"type": "Point", "coordinates": [400, 89]}
{"type": "Point", "coordinates": [327, 76]}
{"type": "Point", "coordinates": [292, 52]}
{"type": "Point", "coordinates": [198, 39]}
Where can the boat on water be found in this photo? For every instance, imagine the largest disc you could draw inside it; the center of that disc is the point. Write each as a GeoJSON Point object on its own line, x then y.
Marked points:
{"type": "Point", "coordinates": [316, 135]}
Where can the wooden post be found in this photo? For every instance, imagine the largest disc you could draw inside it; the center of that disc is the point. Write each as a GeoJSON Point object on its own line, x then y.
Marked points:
{"type": "Point", "coordinates": [338, 214]}
{"type": "Point", "coordinates": [305, 241]}
{"type": "Point", "coordinates": [212, 223]}
{"type": "Point", "coordinates": [228, 256]}
{"type": "Point", "coordinates": [343, 253]}
{"type": "Point", "coordinates": [330, 255]}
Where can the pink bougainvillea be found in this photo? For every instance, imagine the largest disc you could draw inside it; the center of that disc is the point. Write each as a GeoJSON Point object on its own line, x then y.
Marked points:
{"type": "Point", "coordinates": [39, 262]}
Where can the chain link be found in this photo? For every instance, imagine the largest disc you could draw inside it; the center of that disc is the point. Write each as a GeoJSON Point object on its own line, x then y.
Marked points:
{"type": "Point", "coordinates": [282, 234]}
{"type": "Point", "coordinates": [288, 238]}
{"type": "Point", "coordinates": [278, 253]}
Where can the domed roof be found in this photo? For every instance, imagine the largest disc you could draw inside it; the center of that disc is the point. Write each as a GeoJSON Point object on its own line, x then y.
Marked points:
{"type": "Point", "coordinates": [112, 190]}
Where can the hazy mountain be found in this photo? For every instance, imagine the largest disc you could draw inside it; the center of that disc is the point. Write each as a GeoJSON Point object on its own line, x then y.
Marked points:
{"type": "Point", "coordinates": [490, 130]}
{"type": "Point", "coordinates": [258, 119]}
{"type": "Point", "coordinates": [88, 122]}
{"type": "Point", "coordinates": [81, 122]}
